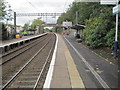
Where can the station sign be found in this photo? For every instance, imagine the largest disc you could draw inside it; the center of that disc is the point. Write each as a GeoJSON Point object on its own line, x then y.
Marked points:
{"type": "Point", "coordinates": [108, 2]}
{"type": "Point", "coordinates": [116, 9]}
{"type": "Point", "coordinates": [67, 24]}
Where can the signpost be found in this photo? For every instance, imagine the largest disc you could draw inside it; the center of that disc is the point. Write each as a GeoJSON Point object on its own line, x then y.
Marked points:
{"type": "Point", "coordinates": [67, 24]}
{"type": "Point", "coordinates": [116, 10]}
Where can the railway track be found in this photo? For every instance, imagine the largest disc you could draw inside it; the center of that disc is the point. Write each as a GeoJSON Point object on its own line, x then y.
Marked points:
{"type": "Point", "coordinates": [33, 66]}
{"type": "Point", "coordinates": [14, 53]}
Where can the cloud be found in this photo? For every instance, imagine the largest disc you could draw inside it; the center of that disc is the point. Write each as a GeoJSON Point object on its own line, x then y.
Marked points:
{"type": "Point", "coordinates": [39, 6]}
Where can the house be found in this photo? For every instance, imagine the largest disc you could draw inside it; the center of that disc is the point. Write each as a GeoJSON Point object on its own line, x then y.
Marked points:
{"type": "Point", "coordinates": [10, 28]}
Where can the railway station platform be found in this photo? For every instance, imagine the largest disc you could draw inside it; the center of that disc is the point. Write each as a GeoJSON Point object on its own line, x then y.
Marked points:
{"type": "Point", "coordinates": [10, 44]}
{"type": "Point", "coordinates": [14, 40]}
{"type": "Point", "coordinates": [17, 39]}
{"type": "Point", "coordinates": [76, 66]}
{"type": "Point", "coordinates": [63, 72]}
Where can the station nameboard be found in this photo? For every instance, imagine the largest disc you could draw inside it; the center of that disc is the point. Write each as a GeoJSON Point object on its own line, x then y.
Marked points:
{"type": "Point", "coordinates": [67, 24]}
{"type": "Point", "coordinates": [116, 9]}
{"type": "Point", "coordinates": [108, 2]}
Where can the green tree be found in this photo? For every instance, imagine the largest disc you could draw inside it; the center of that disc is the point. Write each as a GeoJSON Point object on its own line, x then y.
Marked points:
{"type": "Point", "coordinates": [3, 30]}
{"type": "Point", "coordinates": [99, 28]}
{"type": "Point", "coordinates": [85, 11]}
{"type": "Point", "coordinates": [36, 22]}
{"type": "Point", "coordinates": [26, 26]}
{"type": "Point", "coordinates": [2, 9]}
{"type": "Point", "coordinates": [98, 19]}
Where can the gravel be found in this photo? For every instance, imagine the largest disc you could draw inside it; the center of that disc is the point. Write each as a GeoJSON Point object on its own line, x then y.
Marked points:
{"type": "Point", "coordinates": [11, 67]}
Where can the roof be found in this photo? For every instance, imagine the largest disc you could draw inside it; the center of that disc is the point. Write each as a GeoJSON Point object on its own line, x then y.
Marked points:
{"type": "Point", "coordinates": [78, 26]}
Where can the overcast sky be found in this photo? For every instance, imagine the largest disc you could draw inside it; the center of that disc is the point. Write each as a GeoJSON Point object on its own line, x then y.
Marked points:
{"type": "Point", "coordinates": [38, 6]}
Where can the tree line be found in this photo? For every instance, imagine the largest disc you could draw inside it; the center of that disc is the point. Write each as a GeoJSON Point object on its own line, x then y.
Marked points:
{"type": "Point", "coordinates": [4, 34]}
{"type": "Point", "coordinates": [98, 19]}
{"type": "Point", "coordinates": [3, 30]}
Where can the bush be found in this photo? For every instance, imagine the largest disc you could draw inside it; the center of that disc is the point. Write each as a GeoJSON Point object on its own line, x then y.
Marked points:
{"type": "Point", "coordinates": [100, 31]}
{"type": "Point", "coordinates": [4, 32]}
{"type": "Point", "coordinates": [110, 38]}
{"type": "Point", "coordinates": [95, 32]}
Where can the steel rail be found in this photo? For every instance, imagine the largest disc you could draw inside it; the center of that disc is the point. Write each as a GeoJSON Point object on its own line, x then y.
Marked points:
{"type": "Point", "coordinates": [18, 49]}
{"type": "Point", "coordinates": [10, 81]}
{"type": "Point", "coordinates": [46, 61]}
{"type": "Point", "coordinates": [20, 53]}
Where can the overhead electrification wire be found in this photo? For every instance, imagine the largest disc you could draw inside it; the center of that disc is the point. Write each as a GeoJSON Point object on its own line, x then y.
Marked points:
{"type": "Point", "coordinates": [32, 5]}
{"type": "Point", "coordinates": [27, 8]}
{"type": "Point", "coordinates": [65, 5]}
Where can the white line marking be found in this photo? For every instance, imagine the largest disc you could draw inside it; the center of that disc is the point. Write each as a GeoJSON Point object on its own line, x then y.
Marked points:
{"type": "Point", "coordinates": [51, 68]}
{"type": "Point", "coordinates": [101, 81]}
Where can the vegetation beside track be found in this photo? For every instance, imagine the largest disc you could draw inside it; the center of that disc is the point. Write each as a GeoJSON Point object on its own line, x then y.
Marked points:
{"type": "Point", "coordinates": [98, 19]}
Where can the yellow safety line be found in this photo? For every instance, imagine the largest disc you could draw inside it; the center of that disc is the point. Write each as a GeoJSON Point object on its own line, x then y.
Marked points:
{"type": "Point", "coordinates": [76, 80]}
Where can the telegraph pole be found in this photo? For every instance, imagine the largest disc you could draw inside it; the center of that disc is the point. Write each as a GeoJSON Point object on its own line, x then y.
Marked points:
{"type": "Point", "coordinates": [76, 17]}
{"type": "Point", "coordinates": [14, 23]}
{"type": "Point", "coordinates": [77, 21]}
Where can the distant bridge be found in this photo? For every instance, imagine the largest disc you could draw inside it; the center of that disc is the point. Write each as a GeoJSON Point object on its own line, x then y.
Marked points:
{"type": "Point", "coordinates": [50, 25]}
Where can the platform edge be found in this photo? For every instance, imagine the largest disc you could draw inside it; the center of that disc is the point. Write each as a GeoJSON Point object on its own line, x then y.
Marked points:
{"type": "Point", "coordinates": [51, 68]}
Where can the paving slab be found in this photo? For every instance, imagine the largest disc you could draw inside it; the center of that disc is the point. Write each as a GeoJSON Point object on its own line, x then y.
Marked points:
{"type": "Point", "coordinates": [65, 74]}
{"type": "Point", "coordinates": [60, 77]}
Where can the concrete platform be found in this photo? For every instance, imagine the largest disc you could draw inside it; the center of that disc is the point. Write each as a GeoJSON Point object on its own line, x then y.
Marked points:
{"type": "Point", "coordinates": [65, 74]}
{"type": "Point", "coordinates": [14, 40]}
{"type": "Point", "coordinates": [8, 42]}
